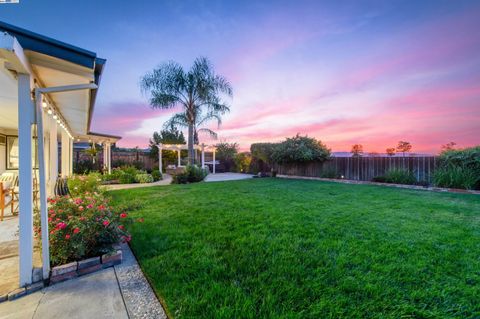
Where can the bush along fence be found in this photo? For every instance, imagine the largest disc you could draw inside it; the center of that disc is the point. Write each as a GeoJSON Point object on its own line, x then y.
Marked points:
{"type": "Point", "coordinates": [364, 168]}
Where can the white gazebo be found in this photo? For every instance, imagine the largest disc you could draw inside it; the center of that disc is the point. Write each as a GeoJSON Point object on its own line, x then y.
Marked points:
{"type": "Point", "coordinates": [47, 95]}
{"type": "Point", "coordinates": [179, 147]}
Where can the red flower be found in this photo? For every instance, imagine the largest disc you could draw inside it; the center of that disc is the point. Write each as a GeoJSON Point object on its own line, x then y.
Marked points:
{"type": "Point", "coordinates": [123, 215]}
{"type": "Point", "coordinates": [49, 219]}
{"type": "Point", "coordinates": [51, 211]}
{"type": "Point", "coordinates": [76, 230]}
{"type": "Point", "coordinates": [121, 227]}
{"type": "Point", "coordinates": [52, 232]}
{"type": "Point", "coordinates": [101, 207]}
{"type": "Point", "coordinates": [106, 223]}
{"type": "Point", "coordinates": [67, 236]}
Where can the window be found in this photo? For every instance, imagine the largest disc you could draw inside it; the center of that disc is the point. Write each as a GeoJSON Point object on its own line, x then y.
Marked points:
{"type": "Point", "coordinates": [13, 155]}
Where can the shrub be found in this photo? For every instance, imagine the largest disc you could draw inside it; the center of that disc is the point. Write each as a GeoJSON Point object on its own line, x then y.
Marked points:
{"type": "Point", "coordinates": [329, 173]}
{"type": "Point", "coordinates": [242, 162]}
{"type": "Point", "coordinates": [192, 174]}
{"type": "Point", "coordinates": [459, 168]}
{"type": "Point", "coordinates": [156, 175]}
{"type": "Point", "coordinates": [263, 152]}
{"type": "Point", "coordinates": [397, 176]}
{"type": "Point", "coordinates": [82, 227]}
{"type": "Point", "coordinates": [144, 178]}
{"type": "Point", "coordinates": [300, 149]}
{"type": "Point", "coordinates": [81, 184]}
{"type": "Point", "coordinates": [452, 176]}
{"type": "Point", "coordinates": [127, 178]}
{"type": "Point", "coordinates": [85, 167]}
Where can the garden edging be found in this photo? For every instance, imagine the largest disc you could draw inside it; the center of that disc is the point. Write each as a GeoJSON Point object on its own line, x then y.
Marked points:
{"type": "Point", "coordinates": [416, 187]}
{"type": "Point", "coordinates": [69, 271]}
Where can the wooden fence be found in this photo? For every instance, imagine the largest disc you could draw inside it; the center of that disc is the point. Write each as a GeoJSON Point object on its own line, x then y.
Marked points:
{"type": "Point", "coordinates": [363, 168]}
{"type": "Point", "coordinates": [119, 158]}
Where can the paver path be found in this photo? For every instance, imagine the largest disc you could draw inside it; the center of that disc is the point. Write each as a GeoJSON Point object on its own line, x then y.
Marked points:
{"type": "Point", "coordinates": [116, 292]}
{"type": "Point", "coordinates": [167, 179]}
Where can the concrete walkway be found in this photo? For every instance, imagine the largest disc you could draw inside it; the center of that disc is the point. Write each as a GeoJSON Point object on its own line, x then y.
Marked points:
{"type": "Point", "coordinates": [222, 177]}
{"type": "Point", "coordinates": [116, 292]}
{"type": "Point", "coordinates": [167, 179]}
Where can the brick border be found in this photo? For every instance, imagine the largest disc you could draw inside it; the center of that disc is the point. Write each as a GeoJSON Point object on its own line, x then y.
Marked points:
{"type": "Point", "coordinates": [415, 187]}
{"type": "Point", "coordinates": [69, 271]}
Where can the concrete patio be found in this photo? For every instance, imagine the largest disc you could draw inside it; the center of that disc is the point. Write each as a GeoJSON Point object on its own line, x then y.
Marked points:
{"type": "Point", "coordinates": [222, 177]}
{"type": "Point", "coordinates": [116, 292]}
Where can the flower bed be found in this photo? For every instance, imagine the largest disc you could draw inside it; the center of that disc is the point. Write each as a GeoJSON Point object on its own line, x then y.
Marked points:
{"type": "Point", "coordinates": [83, 226]}
{"type": "Point", "coordinates": [130, 175]}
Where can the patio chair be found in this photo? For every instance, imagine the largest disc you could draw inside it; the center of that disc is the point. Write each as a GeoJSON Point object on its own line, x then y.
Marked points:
{"type": "Point", "coordinates": [5, 198]}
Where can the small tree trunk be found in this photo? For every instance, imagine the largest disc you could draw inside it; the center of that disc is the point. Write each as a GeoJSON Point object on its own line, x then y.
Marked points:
{"type": "Point", "coordinates": [190, 144]}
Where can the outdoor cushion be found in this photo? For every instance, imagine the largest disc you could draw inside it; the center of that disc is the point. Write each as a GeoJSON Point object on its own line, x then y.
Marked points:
{"type": "Point", "coordinates": [6, 185]}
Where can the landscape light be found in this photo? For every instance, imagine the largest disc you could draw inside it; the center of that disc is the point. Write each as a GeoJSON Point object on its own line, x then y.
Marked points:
{"type": "Point", "coordinates": [49, 111]}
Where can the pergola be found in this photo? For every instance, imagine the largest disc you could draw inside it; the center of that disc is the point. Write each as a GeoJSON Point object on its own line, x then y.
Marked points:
{"type": "Point", "coordinates": [179, 147]}
{"type": "Point", "coordinates": [104, 139]}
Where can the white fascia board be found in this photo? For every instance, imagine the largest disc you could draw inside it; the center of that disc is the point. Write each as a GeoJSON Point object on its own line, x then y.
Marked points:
{"type": "Point", "coordinates": [11, 50]}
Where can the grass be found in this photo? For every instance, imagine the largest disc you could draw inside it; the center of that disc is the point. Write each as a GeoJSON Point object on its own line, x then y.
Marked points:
{"type": "Point", "coordinates": [275, 248]}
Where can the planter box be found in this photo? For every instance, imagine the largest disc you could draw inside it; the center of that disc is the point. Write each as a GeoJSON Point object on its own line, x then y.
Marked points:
{"type": "Point", "coordinates": [83, 267]}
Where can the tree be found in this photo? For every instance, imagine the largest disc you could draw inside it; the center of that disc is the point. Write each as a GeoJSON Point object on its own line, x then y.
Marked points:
{"type": "Point", "coordinates": [404, 147]}
{"type": "Point", "coordinates": [225, 153]}
{"type": "Point", "coordinates": [197, 91]}
{"type": "Point", "coordinates": [449, 146]}
{"type": "Point", "coordinates": [390, 151]}
{"type": "Point", "coordinates": [166, 136]}
{"type": "Point", "coordinates": [300, 149]}
{"type": "Point", "coordinates": [357, 150]}
{"type": "Point", "coordinates": [169, 135]}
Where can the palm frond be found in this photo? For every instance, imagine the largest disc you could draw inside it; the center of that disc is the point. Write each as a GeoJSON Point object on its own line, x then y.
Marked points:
{"type": "Point", "coordinates": [208, 131]}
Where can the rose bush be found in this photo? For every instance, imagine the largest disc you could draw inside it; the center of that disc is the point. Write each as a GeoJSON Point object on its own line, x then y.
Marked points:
{"type": "Point", "coordinates": [83, 226]}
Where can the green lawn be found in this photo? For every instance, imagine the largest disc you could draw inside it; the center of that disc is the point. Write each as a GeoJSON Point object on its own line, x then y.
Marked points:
{"type": "Point", "coordinates": [275, 248]}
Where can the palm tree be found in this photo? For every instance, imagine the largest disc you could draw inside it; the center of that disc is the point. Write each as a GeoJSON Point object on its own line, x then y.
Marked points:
{"type": "Point", "coordinates": [197, 92]}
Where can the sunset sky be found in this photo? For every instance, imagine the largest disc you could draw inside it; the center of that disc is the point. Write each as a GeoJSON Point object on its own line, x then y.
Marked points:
{"type": "Point", "coordinates": [345, 72]}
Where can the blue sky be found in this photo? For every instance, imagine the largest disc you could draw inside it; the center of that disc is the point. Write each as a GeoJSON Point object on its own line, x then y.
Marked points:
{"type": "Point", "coordinates": [346, 72]}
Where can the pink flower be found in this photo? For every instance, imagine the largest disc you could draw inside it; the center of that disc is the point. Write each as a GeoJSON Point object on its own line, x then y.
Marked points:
{"type": "Point", "coordinates": [61, 225]}
{"type": "Point", "coordinates": [106, 223]}
{"type": "Point", "coordinates": [67, 236]}
{"type": "Point", "coordinates": [78, 201]}
{"type": "Point", "coordinates": [101, 207]}
{"type": "Point", "coordinates": [89, 206]}
{"type": "Point", "coordinates": [76, 230]}
{"type": "Point", "coordinates": [82, 218]}
{"type": "Point", "coordinates": [49, 219]}
{"type": "Point", "coordinates": [51, 211]}
{"type": "Point", "coordinates": [123, 215]}
{"type": "Point", "coordinates": [121, 227]}
{"type": "Point", "coordinates": [126, 239]}
{"type": "Point", "coordinates": [80, 208]}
